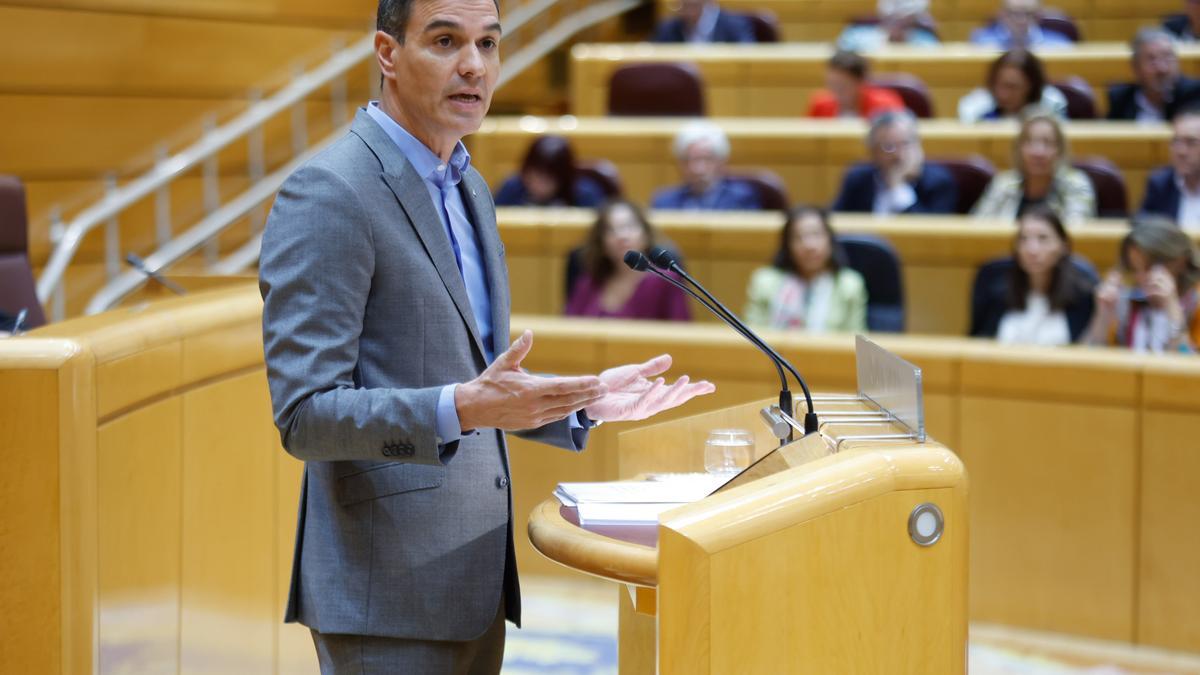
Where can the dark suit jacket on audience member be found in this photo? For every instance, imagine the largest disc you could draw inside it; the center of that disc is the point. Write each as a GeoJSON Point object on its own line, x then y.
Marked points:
{"type": "Point", "coordinates": [1162, 194]}
{"type": "Point", "coordinates": [512, 193]}
{"type": "Point", "coordinates": [729, 195]}
{"type": "Point", "coordinates": [729, 28]}
{"type": "Point", "coordinates": [1122, 99]}
{"type": "Point", "coordinates": [935, 187]}
{"type": "Point", "coordinates": [1179, 26]}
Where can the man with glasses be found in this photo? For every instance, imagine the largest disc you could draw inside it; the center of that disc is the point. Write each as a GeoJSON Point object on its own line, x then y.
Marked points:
{"type": "Point", "coordinates": [1017, 27]}
{"type": "Point", "coordinates": [1174, 191]}
{"type": "Point", "coordinates": [1159, 89]}
{"type": "Point", "coordinates": [898, 179]}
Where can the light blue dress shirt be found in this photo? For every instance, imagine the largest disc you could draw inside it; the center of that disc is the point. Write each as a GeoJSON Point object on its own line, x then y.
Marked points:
{"type": "Point", "coordinates": [442, 179]}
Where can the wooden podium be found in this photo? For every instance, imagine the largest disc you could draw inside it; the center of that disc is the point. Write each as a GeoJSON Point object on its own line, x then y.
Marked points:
{"type": "Point", "coordinates": [853, 560]}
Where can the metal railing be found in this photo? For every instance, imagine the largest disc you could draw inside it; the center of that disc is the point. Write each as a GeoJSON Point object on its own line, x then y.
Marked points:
{"type": "Point", "coordinates": [526, 17]}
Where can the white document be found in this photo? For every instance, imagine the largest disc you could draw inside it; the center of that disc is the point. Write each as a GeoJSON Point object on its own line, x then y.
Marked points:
{"type": "Point", "coordinates": [636, 501]}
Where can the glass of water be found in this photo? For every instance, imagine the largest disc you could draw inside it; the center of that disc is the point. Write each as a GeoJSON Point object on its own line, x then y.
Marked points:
{"type": "Point", "coordinates": [728, 451]}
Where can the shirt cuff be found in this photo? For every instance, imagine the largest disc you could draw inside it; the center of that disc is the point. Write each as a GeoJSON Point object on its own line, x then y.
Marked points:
{"type": "Point", "coordinates": [449, 428]}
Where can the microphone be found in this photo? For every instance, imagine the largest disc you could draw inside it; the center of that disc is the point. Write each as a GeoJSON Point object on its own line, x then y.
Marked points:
{"type": "Point", "coordinates": [663, 259]}
{"type": "Point", "coordinates": [636, 260]}
{"type": "Point", "coordinates": [140, 265]}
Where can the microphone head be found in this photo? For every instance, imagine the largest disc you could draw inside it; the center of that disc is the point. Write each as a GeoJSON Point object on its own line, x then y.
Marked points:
{"type": "Point", "coordinates": [661, 258]}
{"type": "Point", "coordinates": [636, 260]}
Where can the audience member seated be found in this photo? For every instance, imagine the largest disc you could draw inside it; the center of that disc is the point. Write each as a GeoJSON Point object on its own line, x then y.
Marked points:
{"type": "Point", "coordinates": [1042, 175]}
{"type": "Point", "coordinates": [898, 179]}
{"type": "Point", "coordinates": [1015, 81]}
{"type": "Point", "coordinates": [1017, 26]}
{"type": "Point", "coordinates": [703, 21]}
{"type": "Point", "coordinates": [1174, 191]}
{"type": "Point", "coordinates": [607, 287]}
{"type": "Point", "coordinates": [807, 287]}
{"type": "Point", "coordinates": [548, 177]}
{"type": "Point", "coordinates": [847, 93]}
{"type": "Point", "coordinates": [702, 150]}
{"type": "Point", "coordinates": [1185, 27]}
{"type": "Point", "coordinates": [1149, 303]}
{"type": "Point", "coordinates": [900, 22]}
{"type": "Point", "coordinates": [1159, 89]}
{"type": "Point", "coordinates": [1039, 297]}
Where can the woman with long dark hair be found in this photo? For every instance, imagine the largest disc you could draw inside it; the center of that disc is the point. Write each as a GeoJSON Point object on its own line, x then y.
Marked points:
{"type": "Point", "coordinates": [1043, 298]}
{"type": "Point", "coordinates": [548, 177]}
{"type": "Point", "coordinates": [807, 287]}
{"type": "Point", "coordinates": [607, 288]}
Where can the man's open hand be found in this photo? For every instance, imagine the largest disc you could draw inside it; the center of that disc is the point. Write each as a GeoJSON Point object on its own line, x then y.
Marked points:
{"type": "Point", "coordinates": [506, 397]}
{"type": "Point", "coordinates": [632, 395]}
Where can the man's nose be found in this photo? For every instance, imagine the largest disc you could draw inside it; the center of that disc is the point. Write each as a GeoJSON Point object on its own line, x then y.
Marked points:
{"type": "Point", "coordinates": [472, 63]}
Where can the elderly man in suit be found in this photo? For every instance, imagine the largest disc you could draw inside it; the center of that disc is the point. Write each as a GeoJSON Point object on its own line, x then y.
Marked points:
{"type": "Point", "coordinates": [701, 151]}
{"type": "Point", "coordinates": [1174, 191]}
{"type": "Point", "coordinates": [386, 323]}
{"type": "Point", "coordinates": [1159, 90]}
{"type": "Point", "coordinates": [704, 21]}
{"type": "Point", "coordinates": [898, 179]}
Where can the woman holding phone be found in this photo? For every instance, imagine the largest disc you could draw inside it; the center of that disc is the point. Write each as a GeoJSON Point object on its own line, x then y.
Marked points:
{"type": "Point", "coordinates": [1149, 304]}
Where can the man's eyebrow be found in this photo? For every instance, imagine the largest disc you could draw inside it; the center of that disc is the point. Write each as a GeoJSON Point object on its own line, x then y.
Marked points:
{"type": "Point", "coordinates": [446, 24]}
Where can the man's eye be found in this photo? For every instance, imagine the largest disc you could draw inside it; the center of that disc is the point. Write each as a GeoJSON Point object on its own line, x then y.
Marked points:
{"type": "Point", "coordinates": [489, 44]}
{"type": "Point", "coordinates": [444, 41]}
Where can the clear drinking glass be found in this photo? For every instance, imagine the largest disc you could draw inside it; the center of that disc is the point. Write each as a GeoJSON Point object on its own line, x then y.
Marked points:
{"type": "Point", "coordinates": [728, 451]}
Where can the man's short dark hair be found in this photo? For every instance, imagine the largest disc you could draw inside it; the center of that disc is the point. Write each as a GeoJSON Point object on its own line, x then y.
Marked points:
{"type": "Point", "coordinates": [392, 17]}
{"type": "Point", "coordinates": [850, 63]}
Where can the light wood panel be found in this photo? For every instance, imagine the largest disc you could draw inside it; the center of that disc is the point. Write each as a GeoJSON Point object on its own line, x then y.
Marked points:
{"type": "Point", "coordinates": [809, 155]}
{"type": "Point", "coordinates": [230, 606]}
{"type": "Point", "coordinates": [778, 80]}
{"type": "Point", "coordinates": [349, 14]}
{"type": "Point", "coordinates": [825, 19]}
{"type": "Point", "coordinates": [97, 53]}
{"type": "Point", "coordinates": [140, 530]}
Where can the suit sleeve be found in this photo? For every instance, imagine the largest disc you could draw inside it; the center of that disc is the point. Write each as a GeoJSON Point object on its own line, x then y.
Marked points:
{"type": "Point", "coordinates": [844, 202]}
{"type": "Point", "coordinates": [940, 194]}
{"type": "Point", "coordinates": [315, 275]}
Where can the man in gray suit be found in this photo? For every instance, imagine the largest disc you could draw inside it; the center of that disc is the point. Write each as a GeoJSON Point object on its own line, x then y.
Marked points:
{"type": "Point", "coordinates": [385, 324]}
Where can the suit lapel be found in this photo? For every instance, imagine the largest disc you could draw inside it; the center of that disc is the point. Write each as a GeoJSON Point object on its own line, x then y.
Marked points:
{"type": "Point", "coordinates": [415, 200]}
{"type": "Point", "coordinates": [483, 216]}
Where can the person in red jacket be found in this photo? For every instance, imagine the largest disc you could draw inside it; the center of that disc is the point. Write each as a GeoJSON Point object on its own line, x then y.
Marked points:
{"type": "Point", "coordinates": [847, 93]}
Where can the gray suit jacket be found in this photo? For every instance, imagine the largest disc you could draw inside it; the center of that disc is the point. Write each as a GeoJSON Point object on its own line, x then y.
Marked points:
{"type": "Point", "coordinates": [365, 319]}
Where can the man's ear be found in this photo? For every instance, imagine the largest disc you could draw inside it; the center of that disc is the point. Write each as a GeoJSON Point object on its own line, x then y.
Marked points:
{"type": "Point", "coordinates": [386, 47]}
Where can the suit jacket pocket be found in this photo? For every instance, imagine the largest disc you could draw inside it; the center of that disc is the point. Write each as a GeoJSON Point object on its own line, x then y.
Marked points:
{"type": "Point", "coordinates": [388, 479]}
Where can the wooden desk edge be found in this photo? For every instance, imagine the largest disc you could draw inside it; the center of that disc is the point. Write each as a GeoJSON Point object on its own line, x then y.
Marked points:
{"type": "Point", "coordinates": [588, 552]}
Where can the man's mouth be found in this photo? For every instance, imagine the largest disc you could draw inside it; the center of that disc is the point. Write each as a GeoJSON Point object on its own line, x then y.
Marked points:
{"type": "Point", "coordinates": [466, 98]}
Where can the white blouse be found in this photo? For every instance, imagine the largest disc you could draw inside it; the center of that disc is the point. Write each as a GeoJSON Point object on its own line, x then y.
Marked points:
{"type": "Point", "coordinates": [1036, 325]}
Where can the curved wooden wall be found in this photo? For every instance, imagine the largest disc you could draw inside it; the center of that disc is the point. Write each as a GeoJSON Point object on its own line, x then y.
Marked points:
{"type": "Point", "coordinates": [149, 510]}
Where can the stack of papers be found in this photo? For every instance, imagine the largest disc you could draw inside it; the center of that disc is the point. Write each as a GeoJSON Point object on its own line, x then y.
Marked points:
{"type": "Point", "coordinates": [636, 501]}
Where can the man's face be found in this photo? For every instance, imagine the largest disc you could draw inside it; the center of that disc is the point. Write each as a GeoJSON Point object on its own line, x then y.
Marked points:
{"type": "Point", "coordinates": [892, 145]}
{"type": "Point", "coordinates": [844, 87]}
{"type": "Point", "coordinates": [690, 11]}
{"type": "Point", "coordinates": [1019, 16]}
{"type": "Point", "coordinates": [446, 70]}
{"type": "Point", "coordinates": [1156, 66]}
{"type": "Point", "coordinates": [1185, 146]}
{"type": "Point", "coordinates": [701, 166]}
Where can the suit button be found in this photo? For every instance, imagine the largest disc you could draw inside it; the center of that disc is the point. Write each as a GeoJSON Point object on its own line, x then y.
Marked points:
{"type": "Point", "coordinates": [502, 482]}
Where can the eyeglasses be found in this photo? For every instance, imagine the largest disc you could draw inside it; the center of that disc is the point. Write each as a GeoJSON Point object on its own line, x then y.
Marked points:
{"type": "Point", "coordinates": [1187, 142]}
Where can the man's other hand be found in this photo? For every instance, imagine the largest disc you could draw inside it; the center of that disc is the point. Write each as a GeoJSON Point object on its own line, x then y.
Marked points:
{"type": "Point", "coordinates": [632, 395]}
{"type": "Point", "coordinates": [506, 397]}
